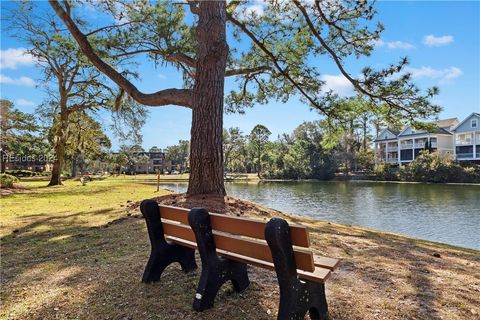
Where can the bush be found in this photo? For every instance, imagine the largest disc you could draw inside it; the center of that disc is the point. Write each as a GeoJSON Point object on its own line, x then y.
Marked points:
{"type": "Point", "coordinates": [438, 168]}
{"type": "Point", "coordinates": [429, 167]}
{"type": "Point", "coordinates": [434, 167]}
{"type": "Point", "coordinates": [385, 172]}
{"type": "Point", "coordinates": [471, 174]}
{"type": "Point", "coordinates": [7, 181]}
{"type": "Point", "coordinates": [21, 173]}
{"type": "Point", "coordinates": [366, 159]}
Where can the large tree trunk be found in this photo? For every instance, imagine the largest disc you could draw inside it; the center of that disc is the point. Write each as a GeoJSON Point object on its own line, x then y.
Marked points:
{"type": "Point", "coordinates": [206, 156]}
{"type": "Point", "coordinates": [59, 140]}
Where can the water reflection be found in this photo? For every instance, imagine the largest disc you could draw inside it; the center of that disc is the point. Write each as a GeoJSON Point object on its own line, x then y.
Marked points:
{"type": "Point", "coordinates": [443, 213]}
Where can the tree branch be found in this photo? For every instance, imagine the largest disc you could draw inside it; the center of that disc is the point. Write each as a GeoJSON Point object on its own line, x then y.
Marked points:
{"type": "Point", "coordinates": [180, 97]}
{"type": "Point", "coordinates": [274, 60]}
{"type": "Point", "coordinates": [190, 62]}
{"type": "Point", "coordinates": [243, 71]}
{"type": "Point", "coordinates": [181, 57]}
{"type": "Point", "coordinates": [331, 52]}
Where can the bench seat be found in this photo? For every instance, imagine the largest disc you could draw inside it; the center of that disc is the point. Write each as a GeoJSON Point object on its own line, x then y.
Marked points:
{"type": "Point", "coordinates": [227, 244]}
{"type": "Point", "coordinates": [323, 265]}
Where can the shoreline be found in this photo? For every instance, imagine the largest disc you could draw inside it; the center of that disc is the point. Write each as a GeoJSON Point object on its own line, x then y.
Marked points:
{"type": "Point", "coordinates": [94, 254]}
{"type": "Point", "coordinates": [167, 179]}
{"type": "Point", "coordinates": [385, 233]}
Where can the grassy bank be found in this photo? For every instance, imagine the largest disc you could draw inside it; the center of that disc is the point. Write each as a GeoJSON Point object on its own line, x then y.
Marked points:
{"type": "Point", "coordinates": [78, 252]}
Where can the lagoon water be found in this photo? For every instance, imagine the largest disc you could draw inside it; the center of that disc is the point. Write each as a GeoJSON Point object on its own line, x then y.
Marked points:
{"type": "Point", "coordinates": [443, 213]}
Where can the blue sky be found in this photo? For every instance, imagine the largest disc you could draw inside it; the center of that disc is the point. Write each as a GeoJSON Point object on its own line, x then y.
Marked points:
{"type": "Point", "coordinates": [441, 40]}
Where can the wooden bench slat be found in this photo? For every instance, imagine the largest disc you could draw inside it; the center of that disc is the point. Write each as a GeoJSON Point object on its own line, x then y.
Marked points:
{"type": "Point", "coordinates": [326, 262]}
{"type": "Point", "coordinates": [246, 247]}
{"type": "Point", "coordinates": [238, 226]}
{"type": "Point", "coordinates": [318, 275]}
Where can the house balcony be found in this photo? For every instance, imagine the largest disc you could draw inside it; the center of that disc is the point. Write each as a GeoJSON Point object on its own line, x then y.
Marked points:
{"type": "Point", "coordinates": [392, 160]}
{"type": "Point", "coordinates": [394, 148]}
{"type": "Point", "coordinates": [419, 145]}
{"type": "Point", "coordinates": [406, 146]}
{"type": "Point", "coordinates": [465, 155]}
{"type": "Point", "coordinates": [464, 143]}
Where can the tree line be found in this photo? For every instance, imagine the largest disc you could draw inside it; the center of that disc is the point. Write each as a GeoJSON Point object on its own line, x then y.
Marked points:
{"type": "Point", "coordinates": [89, 66]}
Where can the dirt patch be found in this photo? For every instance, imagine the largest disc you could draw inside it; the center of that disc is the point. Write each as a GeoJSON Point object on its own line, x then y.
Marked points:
{"type": "Point", "coordinates": [227, 205]}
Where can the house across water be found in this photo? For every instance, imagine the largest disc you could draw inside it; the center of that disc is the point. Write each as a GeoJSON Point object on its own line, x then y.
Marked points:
{"type": "Point", "coordinates": [450, 136]}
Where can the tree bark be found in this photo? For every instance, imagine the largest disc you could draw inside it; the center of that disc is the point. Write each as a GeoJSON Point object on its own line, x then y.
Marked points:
{"type": "Point", "coordinates": [206, 154]}
{"type": "Point", "coordinates": [59, 140]}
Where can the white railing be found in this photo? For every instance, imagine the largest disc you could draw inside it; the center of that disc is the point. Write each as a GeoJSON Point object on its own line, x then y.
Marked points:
{"type": "Point", "coordinates": [406, 146]}
{"type": "Point", "coordinates": [419, 145]}
{"type": "Point", "coordinates": [433, 144]}
{"type": "Point", "coordinates": [465, 155]}
{"type": "Point", "coordinates": [392, 160]}
{"type": "Point", "coordinates": [463, 142]}
{"type": "Point", "coordinates": [395, 148]}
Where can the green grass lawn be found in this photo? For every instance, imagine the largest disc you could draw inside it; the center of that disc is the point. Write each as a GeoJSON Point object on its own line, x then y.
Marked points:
{"type": "Point", "coordinates": [94, 204]}
{"type": "Point", "coordinates": [78, 252]}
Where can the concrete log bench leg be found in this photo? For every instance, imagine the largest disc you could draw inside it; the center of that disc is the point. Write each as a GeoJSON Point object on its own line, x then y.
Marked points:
{"type": "Point", "coordinates": [163, 254]}
{"type": "Point", "coordinates": [296, 297]}
{"type": "Point", "coordinates": [215, 270]}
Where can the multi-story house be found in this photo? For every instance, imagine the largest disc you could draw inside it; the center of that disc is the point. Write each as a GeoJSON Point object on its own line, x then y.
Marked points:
{"type": "Point", "coordinates": [403, 147]}
{"type": "Point", "coordinates": [467, 138]}
{"type": "Point", "coordinates": [148, 162]}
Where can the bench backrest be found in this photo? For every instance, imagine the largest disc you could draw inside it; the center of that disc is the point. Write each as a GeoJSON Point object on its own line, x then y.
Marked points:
{"type": "Point", "coordinates": [240, 237]}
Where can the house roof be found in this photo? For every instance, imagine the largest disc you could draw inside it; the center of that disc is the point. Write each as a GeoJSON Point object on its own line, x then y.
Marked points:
{"type": "Point", "coordinates": [392, 131]}
{"type": "Point", "coordinates": [473, 114]}
{"type": "Point", "coordinates": [435, 131]}
{"type": "Point", "coordinates": [441, 127]}
{"type": "Point", "coordinates": [395, 132]}
{"type": "Point", "coordinates": [446, 123]}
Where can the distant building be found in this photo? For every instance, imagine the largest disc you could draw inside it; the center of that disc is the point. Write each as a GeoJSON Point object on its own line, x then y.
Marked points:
{"type": "Point", "coordinates": [149, 162]}
{"type": "Point", "coordinates": [467, 138]}
{"type": "Point", "coordinates": [25, 162]}
{"type": "Point", "coordinates": [460, 139]}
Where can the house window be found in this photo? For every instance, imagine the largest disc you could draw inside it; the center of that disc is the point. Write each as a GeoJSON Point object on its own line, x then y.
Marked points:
{"type": "Point", "coordinates": [386, 137]}
{"type": "Point", "coordinates": [474, 123]}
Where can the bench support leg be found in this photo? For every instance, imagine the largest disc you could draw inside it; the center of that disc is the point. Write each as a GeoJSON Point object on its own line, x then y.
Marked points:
{"type": "Point", "coordinates": [215, 270]}
{"type": "Point", "coordinates": [296, 297]}
{"type": "Point", "coordinates": [163, 254]}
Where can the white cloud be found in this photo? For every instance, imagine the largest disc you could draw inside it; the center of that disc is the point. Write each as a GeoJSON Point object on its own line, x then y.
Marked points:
{"type": "Point", "coordinates": [400, 45]}
{"type": "Point", "coordinates": [245, 12]}
{"type": "Point", "coordinates": [433, 41]}
{"type": "Point", "coordinates": [338, 84]}
{"type": "Point", "coordinates": [15, 57]}
{"type": "Point", "coordinates": [255, 10]}
{"type": "Point", "coordinates": [444, 75]}
{"type": "Point", "coordinates": [24, 103]}
{"type": "Point", "coordinates": [22, 81]}
{"type": "Point", "coordinates": [394, 44]}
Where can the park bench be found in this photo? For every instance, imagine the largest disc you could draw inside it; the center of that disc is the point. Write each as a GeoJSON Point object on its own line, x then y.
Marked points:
{"type": "Point", "coordinates": [227, 244]}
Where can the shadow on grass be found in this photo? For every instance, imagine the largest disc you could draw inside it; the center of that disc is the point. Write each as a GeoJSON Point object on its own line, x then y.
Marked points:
{"type": "Point", "coordinates": [401, 269]}
{"type": "Point", "coordinates": [77, 271]}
